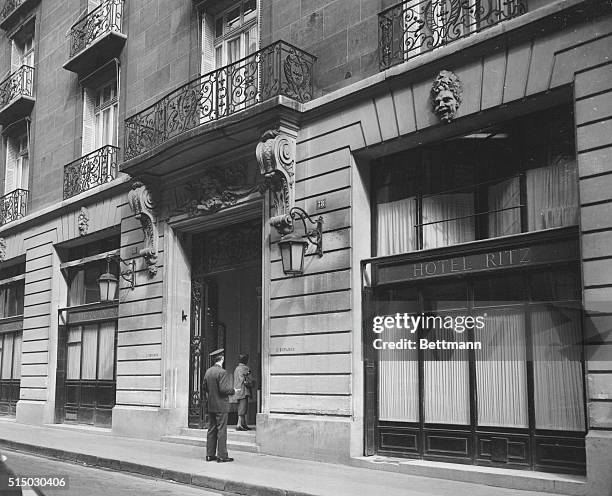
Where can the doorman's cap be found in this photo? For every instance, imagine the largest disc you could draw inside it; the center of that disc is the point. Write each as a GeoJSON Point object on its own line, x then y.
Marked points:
{"type": "Point", "coordinates": [216, 353]}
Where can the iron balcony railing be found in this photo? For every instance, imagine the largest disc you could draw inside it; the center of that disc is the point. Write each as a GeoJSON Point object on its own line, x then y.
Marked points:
{"type": "Point", "coordinates": [13, 205]}
{"type": "Point", "coordinates": [411, 28]}
{"type": "Point", "coordinates": [278, 69]}
{"type": "Point", "coordinates": [103, 19]}
{"type": "Point", "coordinates": [9, 7]}
{"type": "Point", "coordinates": [19, 83]}
{"type": "Point", "coordinates": [94, 169]}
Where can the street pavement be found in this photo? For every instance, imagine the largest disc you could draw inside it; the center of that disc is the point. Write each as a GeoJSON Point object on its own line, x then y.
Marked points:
{"type": "Point", "coordinates": [260, 474]}
{"type": "Point", "coordinates": [90, 481]}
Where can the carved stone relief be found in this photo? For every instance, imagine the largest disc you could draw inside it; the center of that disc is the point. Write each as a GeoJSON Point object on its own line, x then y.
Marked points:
{"type": "Point", "coordinates": [276, 157]}
{"type": "Point", "coordinates": [83, 221]}
{"type": "Point", "coordinates": [217, 188]}
{"type": "Point", "coordinates": [446, 94]}
{"type": "Point", "coordinates": [143, 205]}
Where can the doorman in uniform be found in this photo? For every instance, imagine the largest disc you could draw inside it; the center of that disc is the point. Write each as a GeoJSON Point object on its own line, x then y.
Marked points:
{"type": "Point", "coordinates": [218, 386]}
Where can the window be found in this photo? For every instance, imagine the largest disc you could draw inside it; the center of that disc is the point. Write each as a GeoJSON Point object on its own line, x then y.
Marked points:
{"type": "Point", "coordinates": [501, 181]}
{"type": "Point", "coordinates": [22, 47]}
{"type": "Point", "coordinates": [83, 273]}
{"type": "Point", "coordinates": [229, 35]}
{"type": "Point", "coordinates": [88, 345]}
{"type": "Point", "coordinates": [17, 169]}
{"type": "Point", "coordinates": [12, 283]}
{"type": "Point", "coordinates": [100, 107]}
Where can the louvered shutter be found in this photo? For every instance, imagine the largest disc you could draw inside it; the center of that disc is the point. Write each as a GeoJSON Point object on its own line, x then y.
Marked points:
{"type": "Point", "coordinates": [89, 128]}
{"type": "Point", "coordinates": [10, 173]}
{"type": "Point", "coordinates": [208, 41]}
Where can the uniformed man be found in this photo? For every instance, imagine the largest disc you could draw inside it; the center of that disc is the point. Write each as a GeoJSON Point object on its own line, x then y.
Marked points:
{"type": "Point", "coordinates": [218, 386]}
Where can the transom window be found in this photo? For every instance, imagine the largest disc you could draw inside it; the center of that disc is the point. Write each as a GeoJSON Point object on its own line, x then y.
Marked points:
{"type": "Point", "coordinates": [514, 178]}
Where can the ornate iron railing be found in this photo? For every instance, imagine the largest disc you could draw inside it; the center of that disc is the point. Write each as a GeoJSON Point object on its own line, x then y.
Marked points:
{"type": "Point", "coordinates": [278, 69]}
{"type": "Point", "coordinates": [94, 169]}
{"type": "Point", "coordinates": [9, 7]}
{"type": "Point", "coordinates": [13, 206]}
{"type": "Point", "coordinates": [103, 19]}
{"type": "Point", "coordinates": [19, 83]}
{"type": "Point", "coordinates": [417, 26]}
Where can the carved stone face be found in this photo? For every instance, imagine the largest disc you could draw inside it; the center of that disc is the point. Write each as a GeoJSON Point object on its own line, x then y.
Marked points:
{"type": "Point", "coordinates": [446, 105]}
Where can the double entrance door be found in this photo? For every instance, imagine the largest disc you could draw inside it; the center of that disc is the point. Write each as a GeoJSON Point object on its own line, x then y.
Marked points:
{"type": "Point", "coordinates": [225, 311]}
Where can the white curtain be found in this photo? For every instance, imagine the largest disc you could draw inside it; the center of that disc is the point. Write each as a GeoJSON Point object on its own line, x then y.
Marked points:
{"type": "Point", "coordinates": [398, 381]}
{"type": "Point", "coordinates": [501, 197]}
{"type": "Point", "coordinates": [501, 371]}
{"type": "Point", "coordinates": [73, 358]}
{"type": "Point", "coordinates": [106, 351]}
{"type": "Point", "coordinates": [448, 206]}
{"type": "Point", "coordinates": [76, 293]}
{"type": "Point", "coordinates": [89, 350]}
{"type": "Point", "coordinates": [552, 195]}
{"type": "Point", "coordinates": [17, 355]}
{"type": "Point", "coordinates": [7, 356]}
{"type": "Point", "coordinates": [557, 368]}
{"type": "Point", "coordinates": [396, 227]}
{"type": "Point", "coordinates": [446, 382]}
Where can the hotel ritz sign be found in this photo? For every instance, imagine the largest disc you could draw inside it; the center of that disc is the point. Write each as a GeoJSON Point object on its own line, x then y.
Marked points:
{"type": "Point", "coordinates": [506, 258]}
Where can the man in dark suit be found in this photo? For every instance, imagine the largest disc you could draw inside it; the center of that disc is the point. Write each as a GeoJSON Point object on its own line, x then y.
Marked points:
{"type": "Point", "coordinates": [218, 386]}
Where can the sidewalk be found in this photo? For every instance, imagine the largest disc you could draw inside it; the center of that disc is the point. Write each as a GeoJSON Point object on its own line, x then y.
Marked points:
{"type": "Point", "coordinates": [251, 473]}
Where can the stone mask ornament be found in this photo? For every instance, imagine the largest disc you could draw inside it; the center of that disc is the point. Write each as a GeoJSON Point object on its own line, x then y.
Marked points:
{"type": "Point", "coordinates": [446, 96]}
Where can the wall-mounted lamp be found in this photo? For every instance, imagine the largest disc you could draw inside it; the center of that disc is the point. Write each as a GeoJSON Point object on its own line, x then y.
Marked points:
{"type": "Point", "coordinates": [108, 281]}
{"type": "Point", "coordinates": [293, 247]}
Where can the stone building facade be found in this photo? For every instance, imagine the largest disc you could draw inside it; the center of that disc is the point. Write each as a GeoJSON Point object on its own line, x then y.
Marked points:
{"type": "Point", "coordinates": [453, 153]}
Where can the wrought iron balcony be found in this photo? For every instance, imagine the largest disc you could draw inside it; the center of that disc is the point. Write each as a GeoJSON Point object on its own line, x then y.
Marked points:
{"type": "Point", "coordinates": [411, 28]}
{"type": "Point", "coordinates": [280, 69]}
{"type": "Point", "coordinates": [17, 94]}
{"type": "Point", "coordinates": [13, 206]}
{"type": "Point", "coordinates": [11, 9]}
{"type": "Point", "coordinates": [94, 169]}
{"type": "Point", "coordinates": [96, 38]}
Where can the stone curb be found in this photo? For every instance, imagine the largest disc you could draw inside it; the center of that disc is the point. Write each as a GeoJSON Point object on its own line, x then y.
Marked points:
{"type": "Point", "coordinates": [215, 483]}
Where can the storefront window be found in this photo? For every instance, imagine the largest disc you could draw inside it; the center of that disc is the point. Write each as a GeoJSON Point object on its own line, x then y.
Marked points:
{"type": "Point", "coordinates": [513, 178]}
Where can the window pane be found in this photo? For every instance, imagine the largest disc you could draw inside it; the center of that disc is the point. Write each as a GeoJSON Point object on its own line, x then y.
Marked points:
{"type": "Point", "coordinates": [233, 50]}
{"type": "Point", "coordinates": [395, 223]}
{"type": "Point", "coordinates": [106, 351]}
{"type": "Point", "coordinates": [552, 195]}
{"type": "Point", "coordinates": [504, 206]}
{"type": "Point", "coordinates": [89, 347]}
{"type": "Point", "coordinates": [17, 356]}
{"type": "Point", "coordinates": [218, 27]}
{"type": "Point", "coordinates": [448, 219]}
{"type": "Point", "coordinates": [233, 18]}
{"type": "Point", "coordinates": [7, 356]}
{"type": "Point", "coordinates": [250, 40]}
{"type": "Point", "coordinates": [76, 292]}
{"type": "Point", "coordinates": [557, 368]}
{"type": "Point", "coordinates": [73, 358]}
{"type": "Point", "coordinates": [501, 370]}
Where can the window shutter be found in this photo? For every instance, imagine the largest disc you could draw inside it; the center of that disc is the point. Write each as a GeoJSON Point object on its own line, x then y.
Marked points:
{"type": "Point", "coordinates": [16, 54]}
{"type": "Point", "coordinates": [10, 176]}
{"type": "Point", "coordinates": [208, 50]}
{"type": "Point", "coordinates": [89, 132]}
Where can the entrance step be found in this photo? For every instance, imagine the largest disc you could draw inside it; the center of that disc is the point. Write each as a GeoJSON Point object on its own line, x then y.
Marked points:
{"type": "Point", "coordinates": [236, 440]}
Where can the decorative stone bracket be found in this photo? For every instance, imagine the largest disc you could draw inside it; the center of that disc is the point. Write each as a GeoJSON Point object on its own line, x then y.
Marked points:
{"type": "Point", "coordinates": [275, 154]}
{"type": "Point", "coordinates": [143, 205]}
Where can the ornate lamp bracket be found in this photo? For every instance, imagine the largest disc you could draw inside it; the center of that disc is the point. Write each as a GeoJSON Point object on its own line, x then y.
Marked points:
{"type": "Point", "coordinates": [275, 154]}
{"type": "Point", "coordinates": [143, 205]}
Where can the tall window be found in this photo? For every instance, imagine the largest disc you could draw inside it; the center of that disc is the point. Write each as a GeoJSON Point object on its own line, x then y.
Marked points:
{"type": "Point", "coordinates": [100, 116]}
{"type": "Point", "coordinates": [500, 181]}
{"type": "Point", "coordinates": [22, 47]}
{"type": "Point", "coordinates": [230, 35]}
{"type": "Point", "coordinates": [89, 345]}
{"type": "Point", "coordinates": [11, 322]}
{"type": "Point", "coordinates": [17, 168]}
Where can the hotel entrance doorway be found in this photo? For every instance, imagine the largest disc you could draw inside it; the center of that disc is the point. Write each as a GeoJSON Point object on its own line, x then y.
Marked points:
{"type": "Point", "coordinates": [225, 310]}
